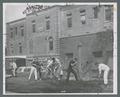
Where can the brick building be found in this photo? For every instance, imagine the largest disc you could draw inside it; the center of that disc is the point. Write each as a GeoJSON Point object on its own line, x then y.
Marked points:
{"type": "Point", "coordinates": [16, 41]}
{"type": "Point", "coordinates": [85, 32]}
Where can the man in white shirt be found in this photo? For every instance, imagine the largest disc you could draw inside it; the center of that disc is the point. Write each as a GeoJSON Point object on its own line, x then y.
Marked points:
{"type": "Point", "coordinates": [105, 68]}
{"type": "Point", "coordinates": [14, 67]}
{"type": "Point", "coordinates": [33, 71]}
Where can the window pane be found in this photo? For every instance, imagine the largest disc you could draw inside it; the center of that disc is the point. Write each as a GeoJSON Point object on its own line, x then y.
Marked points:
{"type": "Point", "coordinates": [33, 28]}
{"type": "Point", "coordinates": [20, 49]}
{"type": "Point", "coordinates": [108, 13]}
{"type": "Point", "coordinates": [83, 19]}
{"type": "Point", "coordinates": [47, 24]}
{"type": "Point", "coordinates": [11, 35]}
{"type": "Point", "coordinates": [83, 16]}
{"type": "Point", "coordinates": [16, 30]}
{"type": "Point", "coordinates": [95, 12]}
{"type": "Point", "coordinates": [51, 45]}
{"type": "Point", "coordinates": [22, 32]}
{"type": "Point", "coordinates": [69, 22]}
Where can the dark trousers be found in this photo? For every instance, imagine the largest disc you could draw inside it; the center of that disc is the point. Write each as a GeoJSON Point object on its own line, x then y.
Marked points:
{"type": "Point", "coordinates": [39, 72]}
{"type": "Point", "coordinates": [71, 71]}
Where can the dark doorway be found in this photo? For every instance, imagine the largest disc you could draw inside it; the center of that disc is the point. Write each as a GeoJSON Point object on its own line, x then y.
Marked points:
{"type": "Point", "coordinates": [20, 62]}
{"type": "Point", "coordinates": [68, 57]}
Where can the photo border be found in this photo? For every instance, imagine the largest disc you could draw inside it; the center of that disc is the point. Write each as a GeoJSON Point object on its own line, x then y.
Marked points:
{"type": "Point", "coordinates": [114, 30]}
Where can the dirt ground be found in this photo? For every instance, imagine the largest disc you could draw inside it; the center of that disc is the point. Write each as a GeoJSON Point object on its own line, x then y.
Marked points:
{"type": "Point", "coordinates": [23, 85]}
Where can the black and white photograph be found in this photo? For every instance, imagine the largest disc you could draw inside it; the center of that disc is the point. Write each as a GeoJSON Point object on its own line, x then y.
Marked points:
{"type": "Point", "coordinates": [60, 48]}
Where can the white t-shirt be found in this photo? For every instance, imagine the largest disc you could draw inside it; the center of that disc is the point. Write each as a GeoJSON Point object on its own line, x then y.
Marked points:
{"type": "Point", "coordinates": [13, 64]}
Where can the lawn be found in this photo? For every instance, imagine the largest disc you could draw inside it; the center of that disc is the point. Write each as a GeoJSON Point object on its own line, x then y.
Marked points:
{"type": "Point", "coordinates": [22, 85]}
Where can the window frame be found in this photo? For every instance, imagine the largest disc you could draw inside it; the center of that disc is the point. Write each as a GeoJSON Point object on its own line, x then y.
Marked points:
{"type": "Point", "coordinates": [69, 21]}
{"type": "Point", "coordinates": [83, 13]}
{"type": "Point", "coordinates": [20, 48]}
{"type": "Point", "coordinates": [22, 30]}
{"type": "Point", "coordinates": [48, 24]}
{"type": "Point", "coordinates": [16, 30]}
{"type": "Point", "coordinates": [95, 9]}
{"type": "Point", "coordinates": [11, 34]}
{"type": "Point", "coordinates": [51, 44]}
{"type": "Point", "coordinates": [33, 26]}
{"type": "Point", "coordinates": [83, 21]}
{"type": "Point", "coordinates": [108, 16]}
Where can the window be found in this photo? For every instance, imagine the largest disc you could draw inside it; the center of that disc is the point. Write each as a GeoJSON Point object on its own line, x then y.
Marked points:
{"type": "Point", "coordinates": [16, 30]}
{"type": "Point", "coordinates": [108, 13]}
{"type": "Point", "coordinates": [47, 24]}
{"type": "Point", "coordinates": [69, 22]}
{"type": "Point", "coordinates": [22, 30]}
{"type": "Point", "coordinates": [12, 49]}
{"type": "Point", "coordinates": [98, 54]}
{"type": "Point", "coordinates": [83, 16]}
{"type": "Point", "coordinates": [95, 12]}
{"type": "Point", "coordinates": [11, 35]}
{"type": "Point", "coordinates": [50, 43]}
{"type": "Point", "coordinates": [20, 48]}
{"type": "Point", "coordinates": [33, 26]}
{"type": "Point", "coordinates": [83, 19]}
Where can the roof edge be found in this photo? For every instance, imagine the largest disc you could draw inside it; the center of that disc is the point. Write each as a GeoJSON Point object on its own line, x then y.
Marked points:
{"type": "Point", "coordinates": [15, 20]}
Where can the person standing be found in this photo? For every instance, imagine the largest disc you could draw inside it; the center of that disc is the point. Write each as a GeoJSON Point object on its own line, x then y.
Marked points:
{"type": "Point", "coordinates": [105, 68]}
{"type": "Point", "coordinates": [58, 69]}
{"type": "Point", "coordinates": [14, 68]}
{"type": "Point", "coordinates": [53, 67]}
{"type": "Point", "coordinates": [49, 67]}
{"type": "Point", "coordinates": [38, 67]}
{"type": "Point", "coordinates": [73, 68]}
{"type": "Point", "coordinates": [33, 71]}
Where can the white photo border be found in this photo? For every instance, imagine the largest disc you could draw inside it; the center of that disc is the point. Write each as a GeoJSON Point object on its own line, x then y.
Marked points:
{"type": "Point", "coordinates": [115, 88]}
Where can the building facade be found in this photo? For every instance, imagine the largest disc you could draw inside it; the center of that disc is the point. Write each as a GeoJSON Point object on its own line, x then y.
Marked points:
{"type": "Point", "coordinates": [16, 37]}
{"type": "Point", "coordinates": [87, 34]}
{"type": "Point", "coordinates": [82, 31]}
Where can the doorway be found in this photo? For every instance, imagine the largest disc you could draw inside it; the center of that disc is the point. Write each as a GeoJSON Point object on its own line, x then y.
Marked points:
{"type": "Point", "coordinates": [68, 57]}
